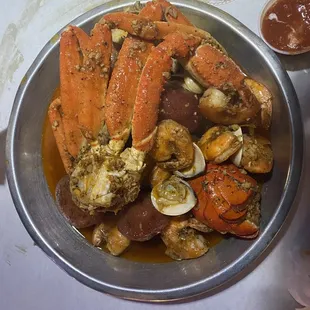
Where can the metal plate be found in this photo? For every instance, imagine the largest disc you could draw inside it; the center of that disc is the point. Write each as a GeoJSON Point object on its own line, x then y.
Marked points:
{"type": "Point", "coordinates": [153, 282]}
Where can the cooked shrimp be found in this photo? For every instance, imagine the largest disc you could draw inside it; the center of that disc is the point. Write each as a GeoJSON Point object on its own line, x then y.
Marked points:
{"type": "Point", "coordinates": [109, 234]}
{"type": "Point", "coordinates": [182, 241]}
{"type": "Point", "coordinates": [173, 148]}
{"type": "Point", "coordinates": [264, 97]}
{"type": "Point", "coordinates": [219, 143]}
{"type": "Point", "coordinates": [257, 155]}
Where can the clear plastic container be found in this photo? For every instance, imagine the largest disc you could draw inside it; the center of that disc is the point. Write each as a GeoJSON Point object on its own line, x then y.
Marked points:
{"type": "Point", "coordinates": [266, 7]}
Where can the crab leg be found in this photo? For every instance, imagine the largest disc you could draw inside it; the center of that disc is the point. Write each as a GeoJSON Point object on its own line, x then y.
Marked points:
{"type": "Point", "coordinates": [69, 58]}
{"type": "Point", "coordinates": [54, 114]}
{"type": "Point", "coordinates": [134, 24]}
{"type": "Point", "coordinates": [96, 61]}
{"type": "Point", "coordinates": [155, 72]}
{"type": "Point", "coordinates": [166, 28]}
{"type": "Point", "coordinates": [84, 73]}
{"type": "Point", "coordinates": [125, 77]}
{"type": "Point", "coordinates": [123, 87]}
{"type": "Point", "coordinates": [148, 29]}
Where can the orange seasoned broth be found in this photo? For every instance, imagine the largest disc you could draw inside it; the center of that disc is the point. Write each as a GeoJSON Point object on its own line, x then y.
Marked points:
{"type": "Point", "coordinates": [152, 251]}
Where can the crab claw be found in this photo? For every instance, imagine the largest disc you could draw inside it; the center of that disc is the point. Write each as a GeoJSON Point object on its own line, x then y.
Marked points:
{"type": "Point", "coordinates": [227, 201]}
{"type": "Point", "coordinates": [229, 100]}
{"type": "Point", "coordinates": [232, 98]}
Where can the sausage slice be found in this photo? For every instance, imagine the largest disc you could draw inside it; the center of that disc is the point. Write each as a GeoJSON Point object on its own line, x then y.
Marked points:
{"type": "Point", "coordinates": [73, 214]}
{"type": "Point", "coordinates": [141, 221]}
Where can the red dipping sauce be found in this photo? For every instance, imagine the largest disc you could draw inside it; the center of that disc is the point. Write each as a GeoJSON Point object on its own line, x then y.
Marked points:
{"type": "Point", "coordinates": [286, 25]}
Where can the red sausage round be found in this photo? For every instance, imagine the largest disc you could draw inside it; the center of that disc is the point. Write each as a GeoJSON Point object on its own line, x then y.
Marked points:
{"type": "Point", "coordinates": [141, 221]}
{"type": "Point", "coordinates": [181, 106]}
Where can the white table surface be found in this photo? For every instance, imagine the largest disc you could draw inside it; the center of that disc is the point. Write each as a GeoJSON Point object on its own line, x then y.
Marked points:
{"type": "Point", "coordinates": [29, 280]}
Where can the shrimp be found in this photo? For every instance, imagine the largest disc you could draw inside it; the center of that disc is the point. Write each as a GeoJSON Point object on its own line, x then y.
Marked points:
{"type": "Point", "coordinates": [173, 148]}
{"type": "Point", "coordinates": [264, 97]}
{"type": "Point", "coordinates": [116, 242]}
{"type": "Point", "coordinates": [182, 241]}
{"type": "Point", "coordinates": [257, 155]}
{"type": "Point", "coordinates": [219, 143]}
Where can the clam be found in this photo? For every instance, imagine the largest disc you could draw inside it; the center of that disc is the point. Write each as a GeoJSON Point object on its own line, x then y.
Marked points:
{"type": "Point", "coordinates": [198, 166]}
{"type": "Point", "coordinates": [236, 158]}
{"type": "Point", "coordinates": [173, 197]}
{"type": "Point", "coordinates": [192, 86]}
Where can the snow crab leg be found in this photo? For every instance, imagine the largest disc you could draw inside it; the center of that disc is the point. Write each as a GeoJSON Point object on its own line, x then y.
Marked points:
{"type": "Point", "coordinates": [155, 72]}
{"type": "Point", "coordinates": [55, 118]}
{"type": "Point", "coordinates": [125, 77]}
{"type": "Point", "coordinates": [123, 87]}
{"type": "Point", "coordinates": [84, 74]}
{"type": "Point", "coordinates": [148, 29]}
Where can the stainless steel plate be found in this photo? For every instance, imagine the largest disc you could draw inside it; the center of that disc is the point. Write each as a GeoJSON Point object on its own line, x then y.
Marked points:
{"type": "Point", "coordinates": [152, 282]}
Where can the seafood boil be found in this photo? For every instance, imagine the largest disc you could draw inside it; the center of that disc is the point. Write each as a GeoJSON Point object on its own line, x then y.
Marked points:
{"type": "Point", "coordinates": [161, 134]}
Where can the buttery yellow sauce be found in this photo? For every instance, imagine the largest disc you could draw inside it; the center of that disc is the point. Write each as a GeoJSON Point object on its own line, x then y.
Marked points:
{"type": "Point", "coordinates": [152, 251]}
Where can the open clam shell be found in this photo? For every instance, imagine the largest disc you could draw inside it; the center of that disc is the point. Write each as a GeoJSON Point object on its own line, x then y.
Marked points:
{"type": "Point", "coordinates": [173, 197]}
{"type": "Point", "coordinates": [198, 166]}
